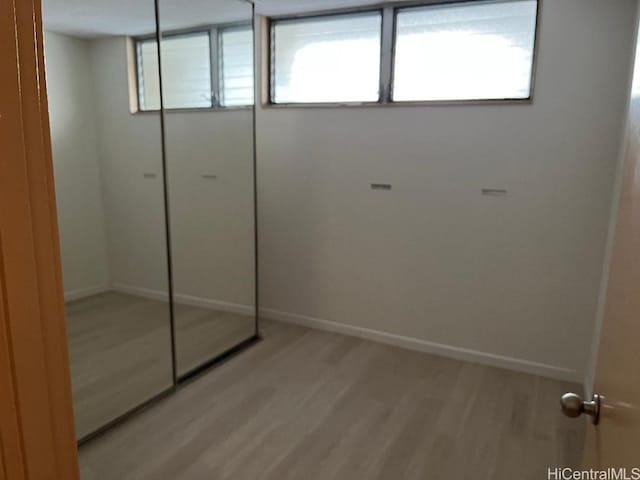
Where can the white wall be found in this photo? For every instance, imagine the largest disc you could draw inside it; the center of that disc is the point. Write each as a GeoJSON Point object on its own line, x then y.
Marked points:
{"type": "Point", "coordinates": [76, 164]}
{"type": "Point", "coordinates": [511, 281]}
{"type": "Point", "coordinates": [212, 222]}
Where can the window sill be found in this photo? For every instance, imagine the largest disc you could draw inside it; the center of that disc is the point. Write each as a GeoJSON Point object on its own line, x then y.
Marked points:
{"type": "Point", "coordinates": [426, 103]}
{"type": "Point", "coordinates": [194, 110]}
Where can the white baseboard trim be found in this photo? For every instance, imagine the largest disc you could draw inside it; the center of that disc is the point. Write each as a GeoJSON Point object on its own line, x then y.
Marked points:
{"type": "Point", "coordinates": [215, 304]}
{"type": "Point", "coordinates": [85, 292]}
{"type": "Point", "coordinates": [458, 353]}
{"type": "Point", "coordinates": [141, 292]}
{"type": "Point", "coordinates": [183, 299]}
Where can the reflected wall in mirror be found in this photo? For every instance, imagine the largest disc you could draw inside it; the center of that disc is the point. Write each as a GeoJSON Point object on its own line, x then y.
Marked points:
{"type": "Point", "coordinates": [110, 193]}
{"type": "Point", "coordinates": [208, 92]}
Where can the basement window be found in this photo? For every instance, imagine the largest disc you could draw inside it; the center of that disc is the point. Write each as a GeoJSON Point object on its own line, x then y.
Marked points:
{"type": "Point", "coordinates": [456, 51]}
{"type": "Point", "coordinates": [464, 51]}
{"type": "Point", "coordinates": [327, 59]}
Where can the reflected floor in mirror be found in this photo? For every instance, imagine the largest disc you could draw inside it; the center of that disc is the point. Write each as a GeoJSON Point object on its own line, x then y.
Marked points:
{"type": "Point", "coordinates": [119, 348]}
{"type": "Point", "coordinates": [311, 404]}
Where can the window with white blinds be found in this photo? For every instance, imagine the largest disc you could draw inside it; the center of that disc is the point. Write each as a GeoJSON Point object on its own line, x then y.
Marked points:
{"type": "Point", "coordinates": [439, 51]}
{"type": "Point", "coordinates": [236, 67]}
{"type": "Point", "coordinates": [327, 59]}
{"type": "Point", "coordinates": [465, 51]}
{"type": "Point", "coordinates": [148, 75]}
{"type": "Point", "coordinates": [186, 71]}
{"type": "Point", "coordinates": [195, 74]}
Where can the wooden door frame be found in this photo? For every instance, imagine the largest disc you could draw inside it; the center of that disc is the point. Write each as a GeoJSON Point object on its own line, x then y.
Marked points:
{"type": "Point", "coordinates": [37, 437]}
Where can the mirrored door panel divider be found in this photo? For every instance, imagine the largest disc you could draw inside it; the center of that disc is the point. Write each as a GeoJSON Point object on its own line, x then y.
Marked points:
{"type": "Point", "coordinates": [152, 128]}
{"type": "Point", "coordinates": [206, 90]}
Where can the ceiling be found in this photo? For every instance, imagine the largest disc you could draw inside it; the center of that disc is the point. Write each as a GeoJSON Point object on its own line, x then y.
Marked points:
{"type": "Point", "coordinates": [95, 18]}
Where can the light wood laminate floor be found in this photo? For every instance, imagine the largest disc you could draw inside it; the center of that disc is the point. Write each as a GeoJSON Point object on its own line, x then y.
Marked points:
{"type": "Point", "coordinates": [120, 350]}
{"type": "Point", "coordinates": [305, 404]}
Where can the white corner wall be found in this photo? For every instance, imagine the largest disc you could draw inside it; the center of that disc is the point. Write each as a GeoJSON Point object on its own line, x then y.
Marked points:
{"type": "Point", "coordinates": [432, 264]}
{"type": "Point", "coordinates": [76, 165]}
{"type": "Point", "coordinates": [131, 159]}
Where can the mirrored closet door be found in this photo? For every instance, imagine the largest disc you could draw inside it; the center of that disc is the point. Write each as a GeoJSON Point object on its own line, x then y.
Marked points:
{"type": "Point", "coordinates": [153, 152]}
{"type": "Point", "coordinates": [207, 93]}
{"type": "Point", "coordinates": [108, 169]}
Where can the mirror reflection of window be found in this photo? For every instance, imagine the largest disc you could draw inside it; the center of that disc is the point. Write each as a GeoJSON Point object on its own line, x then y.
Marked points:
{"type": "Point", "coordinates": [236, 66]}
{"type": "Point", "coordinates": [194, 75]}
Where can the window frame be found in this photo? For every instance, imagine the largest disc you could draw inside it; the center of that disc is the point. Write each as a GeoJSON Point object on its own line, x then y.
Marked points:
{"type": "Point", "coordinates": [388, 37]}
{"type": "Point", "coordinates": [215, 64]}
